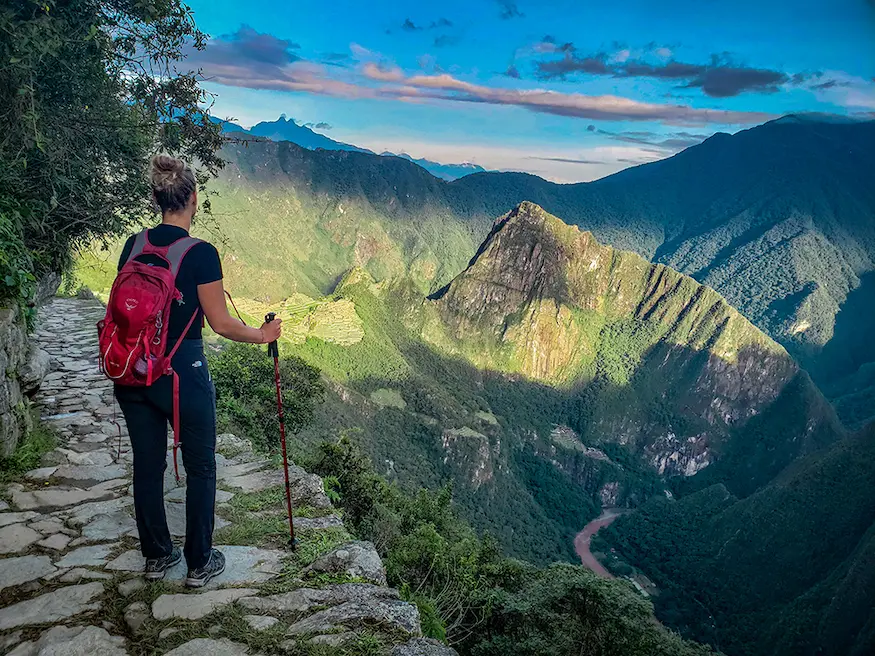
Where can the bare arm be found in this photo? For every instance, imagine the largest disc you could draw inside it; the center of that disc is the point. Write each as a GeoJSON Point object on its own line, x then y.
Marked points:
{"type": "Point", "coordinates": [212, 299]}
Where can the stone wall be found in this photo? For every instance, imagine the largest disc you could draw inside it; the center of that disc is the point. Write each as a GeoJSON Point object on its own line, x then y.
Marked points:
{"type": "Point", "coordinates": [22, 367]}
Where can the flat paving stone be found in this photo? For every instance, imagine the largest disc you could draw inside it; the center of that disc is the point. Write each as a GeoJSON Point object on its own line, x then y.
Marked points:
{"type": "Point", "coordinates": [56, 542]}
{"type": "Point", "coordinates": [196, 606]}
{"type": "Point", "coordinates": [243, 566]}
{"type": "Point", "coordinates": [97, 473]}
{"type": "Point", "coordinates": [93, 458]}
{"type": "Point", "coordinates": [40, 474]}
{"type": "Point", "coordinates": [52, 606]}
{"type": "Point", "coordinates": [78, 574]}
{"type": "Point", "coordinates": [83, 514]}
{"type": "Point", "coordinates": [47, 526]}
{"type": "Point", "coordinates": [201, 646]}
{"type": "Point", "coordinates": [17, 537]}
{"type": "Point", "coordinates": [91, 556]}
{"type": "Point", "coordinates": [16, 517]}
{"type": "Point", "coordinates": [73, 641]}
{"type": "Point", "coordinates": [57, 497]}
{"type": "Point", "coordinates": [107, 528]}
{"type": "Point", "coordinates": [23, 569]}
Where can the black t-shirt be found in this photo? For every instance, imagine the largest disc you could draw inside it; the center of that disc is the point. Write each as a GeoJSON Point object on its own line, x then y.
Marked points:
{"type": "Point", "coordinates": [200, 266]}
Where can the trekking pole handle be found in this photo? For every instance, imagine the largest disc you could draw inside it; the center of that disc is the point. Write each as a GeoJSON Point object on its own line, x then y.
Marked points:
{"type": "Point", "coordinates": [273, 348]}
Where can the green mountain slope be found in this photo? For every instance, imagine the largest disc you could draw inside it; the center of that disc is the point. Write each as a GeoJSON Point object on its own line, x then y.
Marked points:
{"type": "Point", "coordinates": [778, 219]}
{"type": "Point", "coordinates": [654, 360]}
{"type": "Point", "coordinates": [788, 570]}
{"type": "Point", "coordinates": [296, 220]}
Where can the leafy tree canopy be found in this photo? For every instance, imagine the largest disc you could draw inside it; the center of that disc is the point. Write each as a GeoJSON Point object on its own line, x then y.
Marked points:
{"type": "Point", "coordinates": [89, 90]}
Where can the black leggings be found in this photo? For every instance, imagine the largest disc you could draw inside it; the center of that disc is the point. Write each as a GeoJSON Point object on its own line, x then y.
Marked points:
{"type": "Point", "coordinates": [147, 411]}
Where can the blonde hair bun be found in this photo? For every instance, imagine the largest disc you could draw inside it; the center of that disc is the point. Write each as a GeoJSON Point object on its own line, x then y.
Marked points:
{"type": "Point", "coordinates": [165, 170]}
{"type": "Point", "coordinates": [173, 182]}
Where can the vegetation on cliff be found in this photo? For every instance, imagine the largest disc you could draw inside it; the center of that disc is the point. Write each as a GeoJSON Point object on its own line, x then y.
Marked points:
{"type": "Point", "coordinates": [483, 603]}
{"type": "Point", "coordinates": [787, 570]}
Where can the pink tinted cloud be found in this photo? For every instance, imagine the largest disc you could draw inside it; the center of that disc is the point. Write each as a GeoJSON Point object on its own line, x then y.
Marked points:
{"type": "Point", "coordinates": [253, 69]}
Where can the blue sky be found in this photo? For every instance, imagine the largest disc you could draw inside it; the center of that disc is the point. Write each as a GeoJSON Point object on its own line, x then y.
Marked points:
{"type": "Point", "coordinates": [565, 89]}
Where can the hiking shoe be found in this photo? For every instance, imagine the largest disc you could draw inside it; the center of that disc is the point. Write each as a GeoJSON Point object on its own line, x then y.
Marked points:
{"type": "Point", "coordinates": [198, 578]}
{"type": "Point", "coordinates": [156, 568]}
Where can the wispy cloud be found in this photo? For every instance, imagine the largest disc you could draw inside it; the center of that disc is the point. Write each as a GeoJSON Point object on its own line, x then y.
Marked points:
{"type": "Point", "coordinates": [577, 105]}
{"type": "Point", "coordinates": [259, 61]}
{"type": "Point", "coordinates": [850, 91]}
{"type": "Point", "coordinates": [441, 23]}
{"type": "Point", "coordinates": [568, 160]}
{"type": "Point", "coordinates": [671, 142]}
{"type": "Point", "coordinates": [318, 126]}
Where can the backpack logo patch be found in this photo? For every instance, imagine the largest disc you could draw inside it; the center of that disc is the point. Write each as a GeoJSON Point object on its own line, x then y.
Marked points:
{"type": "Point", "coordinates": [131, 303]}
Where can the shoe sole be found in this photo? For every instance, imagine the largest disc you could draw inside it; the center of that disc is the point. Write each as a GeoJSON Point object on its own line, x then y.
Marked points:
{"type": "Point", "coordinates": [157, 576]}
{"type": "Point", "coordinates": [199, 583]}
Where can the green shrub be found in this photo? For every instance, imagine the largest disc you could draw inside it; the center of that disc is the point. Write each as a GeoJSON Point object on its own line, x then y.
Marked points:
{"type": "Point", "coordinates": [246, 393]}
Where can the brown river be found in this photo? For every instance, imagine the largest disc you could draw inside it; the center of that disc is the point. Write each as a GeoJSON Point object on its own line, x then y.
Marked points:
{"type": "Point", "coordinates": [582, 541]}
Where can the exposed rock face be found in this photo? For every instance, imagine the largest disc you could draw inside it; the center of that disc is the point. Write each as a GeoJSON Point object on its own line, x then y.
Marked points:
{"type": "Point", "coordinates": [304, 599]}
{"type": "Point", "coordinates": [546, 301]}
{"type": "Point", "coordinates": [13, 357]}
{"type": "Point", "coordinates": [394, 614]}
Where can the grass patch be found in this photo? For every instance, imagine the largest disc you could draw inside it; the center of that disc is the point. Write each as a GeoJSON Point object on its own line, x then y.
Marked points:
{"type": "Point", "coordinates": [255, 531]}
{"type": "Point", "coordinates": [311, 545]}
{"type": "Point", "coordinates": [259, 519]}
{"type": "Point", "coordinates": [271, 499]}
{"type": "Point", "coordinates": [39, 440]}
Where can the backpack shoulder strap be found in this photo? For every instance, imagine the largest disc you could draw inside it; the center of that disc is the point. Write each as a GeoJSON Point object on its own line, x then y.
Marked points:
{"type": "Point", "coordinates": [140, 243]}
{"type": "Point", "coordinates": [177, 251]}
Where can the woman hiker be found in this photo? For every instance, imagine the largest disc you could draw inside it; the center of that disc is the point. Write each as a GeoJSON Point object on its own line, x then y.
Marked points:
{"type": "Point", "coordinates": [148, 409]}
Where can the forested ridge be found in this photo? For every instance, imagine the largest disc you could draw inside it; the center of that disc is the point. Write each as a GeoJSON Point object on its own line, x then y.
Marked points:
{"type": "Point", "coordinates": [777, 219]}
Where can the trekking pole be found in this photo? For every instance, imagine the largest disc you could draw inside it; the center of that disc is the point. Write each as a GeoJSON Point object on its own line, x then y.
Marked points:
{"type": "Point", "coordinates": [273, 349]}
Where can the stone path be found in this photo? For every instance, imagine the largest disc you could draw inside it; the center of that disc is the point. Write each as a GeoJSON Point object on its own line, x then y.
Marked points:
{"type": "Point", "coordinates": [69, 557]}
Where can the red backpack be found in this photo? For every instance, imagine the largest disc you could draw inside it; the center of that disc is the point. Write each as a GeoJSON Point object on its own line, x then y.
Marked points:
{"type": "Point", "coordinates": [133, 334]}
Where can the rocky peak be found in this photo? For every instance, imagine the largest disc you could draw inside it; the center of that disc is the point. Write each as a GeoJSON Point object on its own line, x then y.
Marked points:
{"type": "Point", "coordinates": [545, 300]}
{"type": "Point", "coordinates": [534, 270]}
